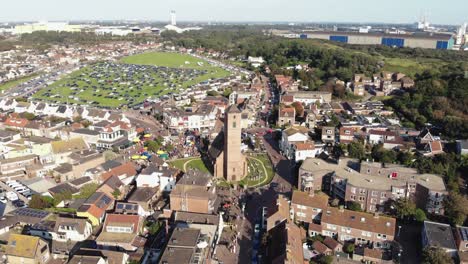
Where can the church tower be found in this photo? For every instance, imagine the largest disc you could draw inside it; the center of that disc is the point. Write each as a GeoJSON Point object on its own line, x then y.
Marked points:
{"type": "Point", "coordinates": [235, 166]}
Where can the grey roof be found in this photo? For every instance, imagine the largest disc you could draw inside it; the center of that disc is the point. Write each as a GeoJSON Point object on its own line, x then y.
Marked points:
{"type": "Point", "coordinates": [439, 235]}
{"type": "Point", "coordinates": [142, 194]}
{"type": "Point", "coordinates": [86, 131]}
{"type": "Point", "coordinates": [64, 187]}
{"type": "Point", "coordinates": [196, 218]}
{"type": "Point", "coordinates": [184, 237]}
{"type": "Point", "coordinates": [7, 133]}
{"type": "Point", "coordinates": [64, 168]}
{"type": "Point", "coordinates": [80, 181]}
{"type": "Point", "coordinates": [216, 146]}
{"type": "Point", "coordinates": [233, 109]}
{"type": "Point", "coordinates": [110, 164]}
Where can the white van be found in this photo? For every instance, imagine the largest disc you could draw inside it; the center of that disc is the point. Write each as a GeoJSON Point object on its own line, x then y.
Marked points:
{"type": "Point", "coordinates": [12, 196]}
{"type": "Point", "coordinates": [21, 189]}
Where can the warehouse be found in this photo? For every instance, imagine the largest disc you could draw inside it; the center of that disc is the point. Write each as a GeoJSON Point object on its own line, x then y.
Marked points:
{"type": "Point", "coordinates": [415, 40]}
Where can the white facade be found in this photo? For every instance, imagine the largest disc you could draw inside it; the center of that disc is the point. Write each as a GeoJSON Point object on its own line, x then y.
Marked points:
{"type": "Point", "coordinates": [156, 179]}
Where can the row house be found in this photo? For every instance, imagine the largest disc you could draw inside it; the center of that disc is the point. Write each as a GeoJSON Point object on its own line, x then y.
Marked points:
{"type": "Point", "coordinates": [310, 97]}
{"type": "Point", "coordinates": [286, 116]}
{"type": "Point", "coordinates": [346, 135]}
{"type": "Point", "coordinates": [358, 227]}
{"type": "Point", "coordinates": [284, 244]}
{"type": "Point", "coordinates": [204, 117]}
{"type": "Point", "coordinates": [328, 134]}
{"type": "Point", "coordinates": [121, 232]}
{"type": "Point", "coordinates": [194, 192]}
{"type": "Point", "coordinates": [307, 207]}
{"type": "Point", "coordinates": [389, 139]}
{"type": "Point", "coordinates": [286, 83]}
{"type": "Point", "coordinates": [182, 247]}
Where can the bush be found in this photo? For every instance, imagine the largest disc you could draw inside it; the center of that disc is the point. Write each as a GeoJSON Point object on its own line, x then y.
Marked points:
{"type": "Point", "coordinates": [41, 202]}
{"type": "Point", "coordinates": [354, 206]}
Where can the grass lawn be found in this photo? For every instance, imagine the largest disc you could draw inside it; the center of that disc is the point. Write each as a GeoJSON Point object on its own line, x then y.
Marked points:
{"type": "Point", "coordinates": [192, 163]}
{"type": "Point", "coordinates": [258, 175]}
{"type": "Point", "coordinates": [411, 66]}
{"type": "Point", "coordinates": [16, 82]}
{"type": "Point", "coordinates": [131, 80]}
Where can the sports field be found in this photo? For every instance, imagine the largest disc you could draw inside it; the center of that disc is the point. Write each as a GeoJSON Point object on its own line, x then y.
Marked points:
{"type": "Point", "coordinates": [132, 80]}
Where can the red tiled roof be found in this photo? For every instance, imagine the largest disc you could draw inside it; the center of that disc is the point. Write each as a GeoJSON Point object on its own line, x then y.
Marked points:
{"type": "Point", "coordinates": [320, 247]}
{"type": "Point", "coordinates": [287, 111]}
{"type": "Point", "coordinates": [123, 219]}
{"type": "Point", "coordinates": [382, 133]}
{"type": "Point", "coordinates": [16, 122]}
{"type": "Point", "coordinates": [305, 146]}
{"type": "Point", "coordinates": [95, 211]}
{"type": "Point", "coordinates": [124, 169]}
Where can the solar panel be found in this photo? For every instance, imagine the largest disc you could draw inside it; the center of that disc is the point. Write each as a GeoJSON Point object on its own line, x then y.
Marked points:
{"type": "Point", "coordinates": [106, 199]}
{"type": "Point", "coordinates": [120, 206]}
{"type": "Point", "coordinates": [30, 212]}
{"type": "Point", "coordinates": [128, 206]}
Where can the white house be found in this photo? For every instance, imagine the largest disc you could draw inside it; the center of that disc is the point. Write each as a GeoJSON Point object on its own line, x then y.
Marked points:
{"type": "Point", "coordinates": [63, 229]}
{"type": "Point", "coordinates": [154, 176]}
{"type": "Point", "coordinates": [305, 150]}
{"type": "Point", "coordinates": [291, 136]}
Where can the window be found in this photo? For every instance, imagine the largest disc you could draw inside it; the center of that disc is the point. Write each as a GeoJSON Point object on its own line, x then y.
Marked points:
{"type": "Point", "coordinates": [353, 190]}
{"type": "Point", "coordinates": [233, 124]}
{"type": "Point", "coordinates": [374, 193]}
{"type": "Point", "coordinates": [300, 214]}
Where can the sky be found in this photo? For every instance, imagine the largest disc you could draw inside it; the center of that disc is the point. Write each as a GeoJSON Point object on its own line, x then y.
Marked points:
{"type": "Point", "coordinates": [393, 11]}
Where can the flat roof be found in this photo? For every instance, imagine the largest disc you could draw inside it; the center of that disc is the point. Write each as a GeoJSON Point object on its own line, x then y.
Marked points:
{"type": "Point", "coordinates": [439, 235]}
{"type": "Point", "coordinates": [436, 36]}
{"type": "Point", "coordinates": [375, 182]}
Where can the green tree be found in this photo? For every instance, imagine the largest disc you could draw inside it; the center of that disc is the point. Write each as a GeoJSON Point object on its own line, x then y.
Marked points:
{"type": "Point", "coordinates": [349, 248]}
{"type": "Point", "coordinates": [153, 146]}
{"type": "Point", "coordinates": [29, 116]}
{"type": "Point", "coordinates": [356, 150]}
{"type": "Point", "coordinates": [419, 215]}
{"type": "Point", "coordinates": [456, 208]}
{"type": "Point", "coordinates": [227, 92]}
{"type": "Point", "coordinates": [62, 196]}
{"type": "Point", "coordinates": [116, 193]}
{"type": "Point", "coordinates": [353, 206]}
{"type": "Point", "coordinates": [404, 208]}
{"type": "Point", "coordinates": [323, 259]}
{"type": "Point", "coordinates": [88, 189]}
{"type": "Point", "coordinates": [40, 202]}
{"type": "Point", "coordinates": [435, 256]}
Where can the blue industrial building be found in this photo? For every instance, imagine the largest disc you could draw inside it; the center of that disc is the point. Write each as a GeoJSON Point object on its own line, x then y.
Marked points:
{"type": "Point", "coordinates": [413, 40]}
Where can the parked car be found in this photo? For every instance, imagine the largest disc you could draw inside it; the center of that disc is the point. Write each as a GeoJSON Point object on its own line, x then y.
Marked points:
{"type": "Point", "coordinates": [3, 200]}
{"type": "Point", "coordinates": [11, 196]}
